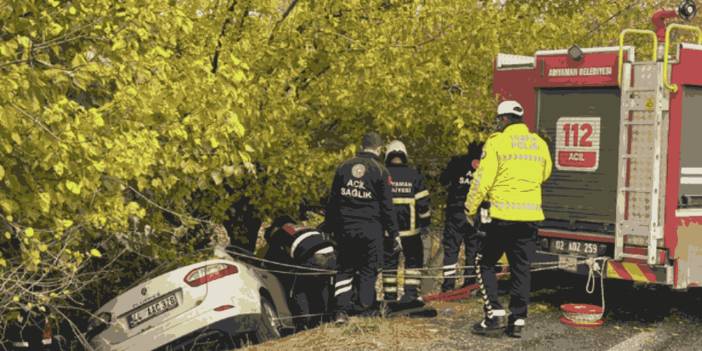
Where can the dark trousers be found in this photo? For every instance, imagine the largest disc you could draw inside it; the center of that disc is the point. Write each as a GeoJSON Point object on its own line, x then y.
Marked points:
{"type": "Point", "coordinates": [359, 260]}
{"type": "Point", "coordinates": [413, 251]}
{"type": "Point", "coordinates": [310, 295]}
{"type": "Point", "coordinates": [518, 241]}
{"type": "Point", "coordinates": [457, 231]}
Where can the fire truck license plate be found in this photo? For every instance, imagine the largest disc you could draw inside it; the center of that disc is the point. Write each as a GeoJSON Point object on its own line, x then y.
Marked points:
{"type": "Point", "coordinates": [152, 310]}
{"type": "Point", "coordinates": [578, 248]}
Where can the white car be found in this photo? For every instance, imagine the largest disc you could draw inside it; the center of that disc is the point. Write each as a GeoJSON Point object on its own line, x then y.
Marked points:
{"type": "Point", "coordinates": [212, 304]}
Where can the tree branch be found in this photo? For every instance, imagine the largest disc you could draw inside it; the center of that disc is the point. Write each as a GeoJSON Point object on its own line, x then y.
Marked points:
{"type": "Point", "coordinates": [222, 32]}
{"type": "Point", "coordinates": [37, 122]}
{"type": "Point", "coordinates": [287, 12]}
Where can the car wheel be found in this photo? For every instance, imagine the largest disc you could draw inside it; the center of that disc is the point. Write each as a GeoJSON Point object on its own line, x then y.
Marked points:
{"type": "Point", "coordinates": [268, 326]}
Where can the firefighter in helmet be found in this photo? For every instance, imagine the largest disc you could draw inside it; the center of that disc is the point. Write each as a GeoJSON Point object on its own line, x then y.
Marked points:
{"type": "Point", "coordinates": [359, 211]}
{"type": "Point", "coordinates": [456, 177]}
{"type": "Point", "coordinates": [411, 201]}
{"type": "Point", "coordinates": [514, 164]}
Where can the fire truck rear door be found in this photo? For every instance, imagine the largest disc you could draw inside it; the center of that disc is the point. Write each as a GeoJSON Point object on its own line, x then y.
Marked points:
{"type": "Point", "coordinates": [582, 128]}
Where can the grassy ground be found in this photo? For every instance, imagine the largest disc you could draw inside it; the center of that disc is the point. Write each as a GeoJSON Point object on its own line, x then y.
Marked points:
{"type": "Point", "coordinates": [402, 333]}
{"type": "Point", "coordinates": [671, 320]}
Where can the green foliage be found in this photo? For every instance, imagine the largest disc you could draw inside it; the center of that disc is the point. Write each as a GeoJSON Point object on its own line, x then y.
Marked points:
{"type": "Point", "coordinates": [116, 114]}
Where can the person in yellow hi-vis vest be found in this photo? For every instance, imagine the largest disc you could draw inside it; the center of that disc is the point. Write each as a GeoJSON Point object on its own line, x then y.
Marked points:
{"type": "Point", "coordinates": [514, 164]}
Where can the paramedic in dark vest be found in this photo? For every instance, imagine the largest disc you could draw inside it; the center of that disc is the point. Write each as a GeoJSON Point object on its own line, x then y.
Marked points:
{"type": "Point", "coordinates": [514, 164]}
{"type": "Point", "coordinates": [456, 178]}
{"type": "Point", "coordinates": [411, 200]}
{"type": "Point", "coordinates": [359, 211]}
{"type": "Point", "coordinates": [305, 247]}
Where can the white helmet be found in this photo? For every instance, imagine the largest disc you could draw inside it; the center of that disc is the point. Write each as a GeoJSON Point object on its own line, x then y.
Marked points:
{"type": "Point", "coordinates": [510, 107]}
{"type": "Point", "coordinates": [396, 148]}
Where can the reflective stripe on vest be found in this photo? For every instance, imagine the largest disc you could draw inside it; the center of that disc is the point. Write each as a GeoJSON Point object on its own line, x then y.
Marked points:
{"type": "Point", "coordinates": [421, 194]}
{"type": "Point", "coordinates": [299, 240]}
{"type": "Point", "coordinates": [413, 221]}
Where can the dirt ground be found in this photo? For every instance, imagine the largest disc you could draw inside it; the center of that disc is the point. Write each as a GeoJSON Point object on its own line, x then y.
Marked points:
{"type": "Point", "coordinates": [637, 318]}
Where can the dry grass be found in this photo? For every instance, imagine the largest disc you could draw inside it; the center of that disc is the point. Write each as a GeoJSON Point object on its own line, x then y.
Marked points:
{"type": "Point", "coordinates": [393, 333]}
{"type": "Point", "coordinates": [359, 334]}
{"type": "Point", "coordinates": [400, 333]}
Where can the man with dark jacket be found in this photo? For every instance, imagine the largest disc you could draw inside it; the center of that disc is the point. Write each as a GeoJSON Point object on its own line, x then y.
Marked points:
{"type": "Point", "coordinates": [304, 247]}
{"type": "Point", "coordinates": [457, 177]}
{"type": "Point", "coordinates": [359, 211]}
{"type": "Point", "coordinates": [411, 200]}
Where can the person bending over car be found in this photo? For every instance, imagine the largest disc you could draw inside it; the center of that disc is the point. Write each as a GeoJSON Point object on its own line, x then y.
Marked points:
{"type": "Point", "coordinates": [305, 247]}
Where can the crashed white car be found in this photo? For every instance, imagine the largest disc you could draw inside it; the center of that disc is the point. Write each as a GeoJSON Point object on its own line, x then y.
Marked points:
{"type": "Point", "coordinates": [214, 304]}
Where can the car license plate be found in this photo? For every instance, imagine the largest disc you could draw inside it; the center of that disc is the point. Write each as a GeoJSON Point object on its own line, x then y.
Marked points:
{"type": "Point", "coordinates": [152, 310]}
{"type": "Point", "coordinates": [578, 248]}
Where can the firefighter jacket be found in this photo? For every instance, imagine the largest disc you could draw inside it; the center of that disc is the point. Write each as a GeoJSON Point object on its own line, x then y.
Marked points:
{"type": "Point", "coordinates": [514, 164]}
{"type": "Point", "coordinates": [297, 245]}
{"type": "Point", "coordinates": [361, 196]}
{"type": "Point", "coordinates": [456, 178]}
{"type": "Point", "coordinates": [411, 199]}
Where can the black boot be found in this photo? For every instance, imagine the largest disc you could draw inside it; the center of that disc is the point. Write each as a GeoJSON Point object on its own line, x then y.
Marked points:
{"type": "Point", "coordinates": [411, 300]}
{"type": "Point", "coordinates": [341, 318]}
{"type": "Point", "coordinates": [494, 326]}
{"type": "Point", "coordinates": [514, 328]}
{"type": "Point", "coordinates": [411, 295]}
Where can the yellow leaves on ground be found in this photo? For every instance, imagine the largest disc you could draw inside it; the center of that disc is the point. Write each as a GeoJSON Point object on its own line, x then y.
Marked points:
{"type": "Point", "coordinates": [2, 172]}
{"type": "Point", "coordinates": [29, 232]}
{"type": "Point", "coordinates": [95, 253]}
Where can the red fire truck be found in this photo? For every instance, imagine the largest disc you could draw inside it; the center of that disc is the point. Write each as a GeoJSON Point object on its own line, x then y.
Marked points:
{"type": "Point", "coordinates": [625, 134]}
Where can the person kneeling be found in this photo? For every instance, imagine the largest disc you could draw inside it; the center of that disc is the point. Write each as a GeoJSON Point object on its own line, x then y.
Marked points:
{"type": "Point", "coordinates": [307, 248]}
